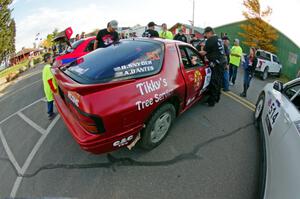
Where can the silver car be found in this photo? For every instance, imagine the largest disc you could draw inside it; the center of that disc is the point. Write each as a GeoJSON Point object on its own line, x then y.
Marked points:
{"type": "Point", "coordinates": [278, 118]}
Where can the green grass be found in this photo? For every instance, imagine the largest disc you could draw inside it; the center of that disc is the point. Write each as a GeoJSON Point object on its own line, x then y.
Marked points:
{"type": "Point", "coordinates": [284, 79]}
{"type": "Point", "coordinates": [13, 69]}
{"type": "Point", "coordinates": [16, 68]}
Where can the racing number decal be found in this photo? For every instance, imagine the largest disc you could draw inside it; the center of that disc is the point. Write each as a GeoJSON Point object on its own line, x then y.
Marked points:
{"type": "Point", "coordinates": [207, 80]}
{"type": "Point", "coordinates": [272, 114]}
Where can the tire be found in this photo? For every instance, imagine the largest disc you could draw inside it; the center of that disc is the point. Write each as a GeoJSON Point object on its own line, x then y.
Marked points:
{"type": "Point", "coordinates": [262, 146]}
{"type": "Point", "coordinates": [158, 126]}
{"type": "Point", "coordinates": [258, 110]}
{"type": "Point", "coordinates": [265, 74]}
{"type": "Point", "coordinates": [278, 74]}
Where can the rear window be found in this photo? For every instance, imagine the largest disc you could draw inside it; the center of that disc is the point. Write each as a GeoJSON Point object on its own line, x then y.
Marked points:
{"type": "Point", "coordinates": [77, 43]}
{"type": "Point", "coordinates": [127, 59]}
{"type": "Point", "coordinates": [263, 55]}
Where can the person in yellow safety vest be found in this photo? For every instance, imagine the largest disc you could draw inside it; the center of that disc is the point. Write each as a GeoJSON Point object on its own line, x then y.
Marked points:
{"type": "Point", "coordinates": [236, 54]}
{"type": "Point", "coordinates": [165, 34]}
{"type": "Point", "coordinates": [50, 85]}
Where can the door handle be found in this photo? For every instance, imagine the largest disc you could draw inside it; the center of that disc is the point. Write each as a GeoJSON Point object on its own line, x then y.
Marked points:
{"type": "Point", "coordinates": [286, 118]}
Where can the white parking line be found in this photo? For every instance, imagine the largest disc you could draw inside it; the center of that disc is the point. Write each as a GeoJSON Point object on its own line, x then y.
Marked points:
{"type": "Point", "coordinates": [18, 90]}
{"type": "Point", "coordinates": [9, 152]}
{"type": "Point", "coordinates": [31, 123]}
{"type": "Point", "coordinates": [30, 158]}
{"type": "Point", "coordinates": [20, 110]}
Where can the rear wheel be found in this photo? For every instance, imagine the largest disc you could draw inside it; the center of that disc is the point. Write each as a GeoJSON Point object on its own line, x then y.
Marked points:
{"type": "Point", "coordinates": [265, 74]}
{"type": "Point", "coordinates": [158, 126]}
{"type": "Point", "coordinates": [279, 73]}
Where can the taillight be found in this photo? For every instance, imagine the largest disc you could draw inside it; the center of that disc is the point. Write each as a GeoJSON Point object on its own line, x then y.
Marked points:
{"type": "Point", "coordinates": [91, 123]}
{"type": "Point", "coordinates": [85, 121]}
{"type": "Point", "coordinates": [80, 60]}
{"type": "Point", "coordinates": [260, 63]}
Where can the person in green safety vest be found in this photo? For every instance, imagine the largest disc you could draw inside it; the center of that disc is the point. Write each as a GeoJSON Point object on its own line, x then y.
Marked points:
{"type": "Point", "coordinates": [236, 54]}
{"type": "Point", "coordinates": [50, 85]}
{"type": "Point", "coordinates": [165, 34]}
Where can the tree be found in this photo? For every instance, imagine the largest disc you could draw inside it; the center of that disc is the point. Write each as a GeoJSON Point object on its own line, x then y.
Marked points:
{"type": "Point", "coordinates": [257, 32]}
{"type": "Point", "coordinates": [7, 30]}
{"type": "Point", "coordinates": [48, 42]}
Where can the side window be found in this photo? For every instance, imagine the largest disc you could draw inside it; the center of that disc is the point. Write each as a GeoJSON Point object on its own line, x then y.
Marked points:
{"type": "Point", "coordinates": [275, 59]}
{"type": "Point", "coordinates": [90, 46]}
{"type": "Point", "coordinates": [293, 93]}
{"type": "Point", "coordinates": [268, 56]}
{"type": "Point", "coordinates": [190, 57]}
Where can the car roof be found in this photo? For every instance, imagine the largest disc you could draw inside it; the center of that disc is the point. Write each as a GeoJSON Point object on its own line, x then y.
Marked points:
{"type": "Point", "coordinates": [294, 81]}
{"type": "Point", "coordinates": [165, 41]}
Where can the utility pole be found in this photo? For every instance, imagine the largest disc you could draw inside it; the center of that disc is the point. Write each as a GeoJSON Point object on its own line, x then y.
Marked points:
{"type": "Point", "coordinates": [193, 22]}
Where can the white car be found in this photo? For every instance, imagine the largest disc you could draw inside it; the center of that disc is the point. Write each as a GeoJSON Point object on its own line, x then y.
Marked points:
{"type": "Point", "coordinates": [267, 63]}
{"type": "Point", "coordinates": [278, 118]}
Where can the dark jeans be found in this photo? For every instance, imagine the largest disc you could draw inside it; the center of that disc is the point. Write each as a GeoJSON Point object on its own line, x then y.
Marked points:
{"type": "Point", "coordinates": [50, 108]}
{"type": "Point", "coordinates": [232, 73]}
{"type": "Point", "coordinates": [247, 78]}
{"type": "Point", "coordinates": [226, 80]}
{"type": "Point", "coordinates": [216, 83]}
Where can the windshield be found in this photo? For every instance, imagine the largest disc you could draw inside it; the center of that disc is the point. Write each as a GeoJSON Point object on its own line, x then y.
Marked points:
{"type": "Point", "coordinates": [74, 46]}
{"type": "Point", "coordinates": [125, 60]}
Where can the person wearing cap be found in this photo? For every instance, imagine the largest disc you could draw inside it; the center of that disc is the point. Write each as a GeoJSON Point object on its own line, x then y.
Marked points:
{"type": "Point", "coordinates": [214, 52]}
{"type": "Point", "coordinates": [107, 36]}
{"type": "Point", "coordinates": [226, 43]}
{"type": "Point", "coordinates": [235, 61]}
{"type": "Point", "coordinates": [151, 32]}
{"type": "Point", "coordinates": [165, 33]}
{"type": "Point", "coordinates": [180, 36]}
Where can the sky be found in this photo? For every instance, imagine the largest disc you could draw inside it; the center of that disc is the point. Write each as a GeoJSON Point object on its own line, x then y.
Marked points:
{"type": "Point", "coordinates": [43, 16]}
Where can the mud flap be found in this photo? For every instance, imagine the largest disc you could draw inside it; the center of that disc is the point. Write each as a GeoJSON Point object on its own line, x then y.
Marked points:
{"type": "Point", "coordinates": [137, 138]}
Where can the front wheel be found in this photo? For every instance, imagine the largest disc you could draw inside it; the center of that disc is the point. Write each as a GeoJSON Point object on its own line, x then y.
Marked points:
{"type": "Point", "coordinates": [158, 126]}
{"type": "Point", "coordinates": [259, 109]}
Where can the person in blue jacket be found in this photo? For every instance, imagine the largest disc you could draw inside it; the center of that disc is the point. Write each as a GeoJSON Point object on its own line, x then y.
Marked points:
{"type": "Point", "coordinates": [249, 65]}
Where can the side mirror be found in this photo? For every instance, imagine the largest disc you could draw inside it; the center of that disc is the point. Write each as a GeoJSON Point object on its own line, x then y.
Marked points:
{"type": "Point", "coordinates": [278, 86]}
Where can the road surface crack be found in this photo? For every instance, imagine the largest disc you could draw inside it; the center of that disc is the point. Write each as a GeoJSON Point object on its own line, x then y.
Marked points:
{"type": "Point", "coordinates": [114, 162]}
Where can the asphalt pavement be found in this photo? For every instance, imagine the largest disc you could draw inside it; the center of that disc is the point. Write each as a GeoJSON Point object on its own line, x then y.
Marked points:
{"type": "Point", "coordinates": [210, 153]}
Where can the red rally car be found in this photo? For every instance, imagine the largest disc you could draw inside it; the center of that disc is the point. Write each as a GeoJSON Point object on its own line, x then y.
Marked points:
{"type": "Point", "coordinates": [76, 50]}
{"type": "Point", "coordinates": [134, 88]}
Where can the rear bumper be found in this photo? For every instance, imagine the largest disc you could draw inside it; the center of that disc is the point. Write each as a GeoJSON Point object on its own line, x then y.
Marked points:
{"type": "Point", "coordinates": [94, 143]}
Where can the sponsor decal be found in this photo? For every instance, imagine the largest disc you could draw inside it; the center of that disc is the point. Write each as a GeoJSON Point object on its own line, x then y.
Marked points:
{"type": "Point", "coordinates": [197, 79]}
{"type": "Point", "coordinates": [152, 86]}
{"type": "Point", "coordinates": [207, 80]}
{"type": "Point", "coordinates": [74, 97]}
{"type": "Point", "coordinates": [272, 114]}
{"type": "Point", "coordinates": [134, 68]}
{"type": "Point", "coordinates": [123, 142]}
{"type": "Point", "coordinates": [78, 70]}
{"type": "Point", "coordinates": [190, 101]}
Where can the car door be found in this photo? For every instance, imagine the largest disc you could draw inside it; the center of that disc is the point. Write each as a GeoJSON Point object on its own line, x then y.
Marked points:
{"type": "Point", "coordinates": [285, 146]}
{"type": "Point", "coordinates": [193, 70]}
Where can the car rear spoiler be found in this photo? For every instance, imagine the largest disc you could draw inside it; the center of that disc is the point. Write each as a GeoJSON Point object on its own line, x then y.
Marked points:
{"type": "Point", "coordinates": [83, 89]}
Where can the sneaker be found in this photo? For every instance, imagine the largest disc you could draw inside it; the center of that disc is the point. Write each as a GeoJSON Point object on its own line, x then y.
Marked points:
{"type": "Point", "coordinates": [231, 84]}
{"type": "Point", "coordinates": [243, 95]}
{"type": "Point", "coordinates": [51, 116]}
